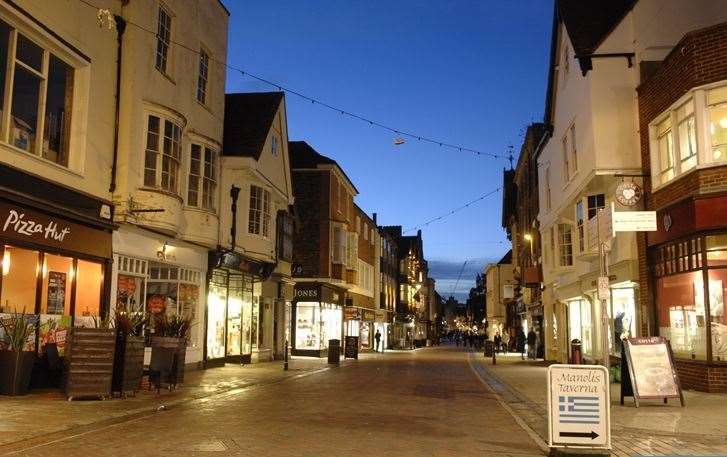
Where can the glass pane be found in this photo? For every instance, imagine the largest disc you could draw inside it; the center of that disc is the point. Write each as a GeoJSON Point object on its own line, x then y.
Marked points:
{"type": "Point", "coordinates": [4, 42]}
{"type": "Point", "coordinates": [188, 301]}
{"type": "Point", "coordinates": [718, 130]}
{"type": "Point", "coordinates": [234, 317]}
{"type": "Point", "coordinates": [19, 270]}
{"type": "Point", "coordinates": [718, 320]}
{"type": "Point", "coordinates": [216, 304]}
{"type": "Point", "coordinates": [55, 307]}
{"type": "Point", "coordinates": [161, 297]}
{"type": "Point", "coordinates": [89, 283]}
{"type": "Point", "coordinates": [680, 304]}
{"type": "Point", "coordinates": [58, 111]}
{"type": "Point", "coordinates": [688, 144]}
{"type": "Point", "coordinates": [307, 326]}
{"type": "Point", "coordinates": [29, 53]}
{"type": "Point", "coordinates": [24, 120]}
{"type": "Point", "coordinates": [246, 347]}
{"type": "Point", "coordinates": [624, 315]}
{"type": "Point", "coordinates": [128, 293]}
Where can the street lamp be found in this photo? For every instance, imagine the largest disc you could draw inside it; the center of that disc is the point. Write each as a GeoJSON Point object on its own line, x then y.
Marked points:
{"type": "Point", "coordinates": [529, 238]}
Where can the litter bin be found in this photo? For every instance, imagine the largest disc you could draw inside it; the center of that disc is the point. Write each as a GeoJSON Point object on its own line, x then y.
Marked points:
{"type": "Point", "coordinates": [576, 356]}
{"type": "Point", "coordinates": [489, 348]}
{"type": "Point", "coordinates": [334, 351]}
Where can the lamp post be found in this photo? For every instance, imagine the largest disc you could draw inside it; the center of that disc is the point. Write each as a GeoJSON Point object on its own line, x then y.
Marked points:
{"type": "Point", "coordinates": [529, 238]}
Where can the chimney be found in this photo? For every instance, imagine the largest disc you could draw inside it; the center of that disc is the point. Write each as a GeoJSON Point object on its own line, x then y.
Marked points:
{"type": "Point", "coordinates": [419, 233]}
{"type": "Point", "coordinates": [374, 218]}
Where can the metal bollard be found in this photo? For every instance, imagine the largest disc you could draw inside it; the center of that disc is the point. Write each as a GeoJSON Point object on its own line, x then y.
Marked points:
{"type": "Point", "coordinates": [285, 357]}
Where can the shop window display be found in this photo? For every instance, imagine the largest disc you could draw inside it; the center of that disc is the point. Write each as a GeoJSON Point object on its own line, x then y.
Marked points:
{"type": "Point", "coordinates": [55, 305]}
{"type": "Point", "coordinates": [19, 279]}
{"type": "Point", "coordinates": [308, 326]}
{"type": "Point", "coordinates": [623, 316]}
{"type": "Point", "coordinates": [717, 318]}
{"type": "Point", "coordinates": [174, 291]}
{"type": "Point", "coordinates": [580, 326]}
{"type": "Point", "coordinates": [682, 313]}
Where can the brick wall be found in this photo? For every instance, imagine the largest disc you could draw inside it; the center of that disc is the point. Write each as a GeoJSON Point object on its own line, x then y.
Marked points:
{"type": "Point", "coordinates": [311, 242]}
{"type": "Point", "coordinates": [698, 59]}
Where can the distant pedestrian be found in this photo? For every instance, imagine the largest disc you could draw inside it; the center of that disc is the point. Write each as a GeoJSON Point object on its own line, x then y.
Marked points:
{"type": "Point", "coordinates": [498, 342]}
{"type": "Point", "coordinates": [377, 337]}
{"type": "Point", "coordinates": [520, 342]}
{"type": "Point", "coordinates": [532, 339]}
{"type": "Point", "coordinates": [506, 341]}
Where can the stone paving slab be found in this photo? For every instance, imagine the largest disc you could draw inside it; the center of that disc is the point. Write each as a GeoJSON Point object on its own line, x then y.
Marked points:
{"type": "Point", "coordinates": [42, 415]}
{"type": "Point", "coordinates": [699, 428]}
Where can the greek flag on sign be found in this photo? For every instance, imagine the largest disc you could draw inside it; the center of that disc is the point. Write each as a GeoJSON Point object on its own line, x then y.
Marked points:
{"type": "Point", "coordinates": [578, 410]}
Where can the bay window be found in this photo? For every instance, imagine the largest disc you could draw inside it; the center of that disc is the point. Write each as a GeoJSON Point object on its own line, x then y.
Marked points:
{"type": "Point", "coordinates": [37, 107]}
{"type": "Point", "coordinates": [690, 134]}
{"type": "Point", "coordinates": [162, 154]}
{"type": "Point", "coordinates": [202, 182]}
{"type": "Point", "coordinates": [259, 214]}
{"type": "Point", "coordinates": [717, 100]}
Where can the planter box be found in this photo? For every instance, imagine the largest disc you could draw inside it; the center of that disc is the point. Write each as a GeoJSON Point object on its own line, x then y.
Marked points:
{"type": "Point", "coordinates": [179, 347]}
{"type": "Point", "coordinates": [128, 363]}
{"type": "Point", "coordinates": [90, 362]}
{"type": "Point", "coordinates": [15, 371]}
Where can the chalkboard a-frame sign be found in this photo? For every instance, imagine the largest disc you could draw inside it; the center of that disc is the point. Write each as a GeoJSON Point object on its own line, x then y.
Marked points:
{"type": "Point", "coordinates": [648, 371]}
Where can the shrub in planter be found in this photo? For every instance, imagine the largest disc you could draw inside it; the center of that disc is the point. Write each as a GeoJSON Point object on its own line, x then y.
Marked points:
{"type": "Point", "coordinates": [129, 354]}
{"type": "Point", "coordinates": [170, 336]}
{"type": "Point", "coordinates": [90, 361]}
{"type": "Point", "coordinates": [16, 365]}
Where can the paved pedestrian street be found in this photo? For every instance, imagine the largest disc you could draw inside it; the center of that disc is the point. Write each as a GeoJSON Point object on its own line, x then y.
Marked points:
{"type": "Point", "coordinates": [427, 402]}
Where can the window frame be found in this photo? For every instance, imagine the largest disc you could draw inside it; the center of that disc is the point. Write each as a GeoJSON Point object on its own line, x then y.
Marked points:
{"type": "Point", "coordinates": [205, 201]}
{"type": "Point", "coordinates": [203, 79]}
{"type": "Point", "coordinates": [164, 42]}
{"type": "Point", "coordinates": [49, 49]}
{"type": "Point", "coordinates": [160, 154]}
{"type": "Point", "coordinates": [563, 256]}
{"type": "Point", "coordinates": [263, 213]}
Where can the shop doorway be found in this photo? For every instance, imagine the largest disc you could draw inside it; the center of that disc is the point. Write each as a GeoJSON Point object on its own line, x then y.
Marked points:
{"type": "Point", "coordinates": [230, 315]}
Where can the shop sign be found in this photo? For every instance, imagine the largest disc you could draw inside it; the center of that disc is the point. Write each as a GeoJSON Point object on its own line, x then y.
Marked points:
{"type": "Point", "coordinates": [628, 193]}
{"type": "Point", "coordinates": [579, 413]}
{"type": "Point", "coordinates": [634, 221]}
{"type": "Point", "coordinates": [380, 315]}
{"type": "Point", "coordinates": [604, 288]}
{"type": "Point", "coordinates": [368, 315]}
{"type": "Point", "coordinates": [307, 294]}
{"type": "Point", "coordinates": [350, 313]}
{"type": "Point", "coordinates": [25, 225]}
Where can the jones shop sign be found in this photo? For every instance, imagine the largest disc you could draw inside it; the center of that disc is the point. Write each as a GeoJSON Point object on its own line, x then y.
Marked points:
{"type": "Point", "coordinates": [25, 225]}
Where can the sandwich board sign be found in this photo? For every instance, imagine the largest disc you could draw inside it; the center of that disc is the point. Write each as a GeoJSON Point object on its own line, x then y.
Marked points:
{"type": "Point", "coordinates": [579, 407]}
{"type": "Point", "coordinates": [651, 371]}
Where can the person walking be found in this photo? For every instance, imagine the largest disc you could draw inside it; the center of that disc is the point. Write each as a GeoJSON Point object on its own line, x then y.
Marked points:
{"type": "Point", "coordinates": [532, 338]}
{"type": "Point", "coordinates": [506, 341]}
{"type": "Point", "coordinates": [498, 342]}
{"type": "Point", "coordinates": [377, 337]}
{"type": "Point", "coordinates": [520, 342]}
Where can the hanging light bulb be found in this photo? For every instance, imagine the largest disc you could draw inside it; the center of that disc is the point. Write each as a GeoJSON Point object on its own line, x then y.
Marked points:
{"type": "Point", "coordinates": [399, 141]}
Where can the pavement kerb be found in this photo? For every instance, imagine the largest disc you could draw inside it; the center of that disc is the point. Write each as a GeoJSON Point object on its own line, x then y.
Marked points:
{"type": "Point", "coordinates": [27, 444]}
{"type": "Point", "coordinates": [532, 433]}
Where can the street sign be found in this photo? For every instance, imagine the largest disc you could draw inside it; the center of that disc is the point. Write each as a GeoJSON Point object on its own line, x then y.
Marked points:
{"type": "Point", "coordinates": [634, 221]}
{"type": "Point", "coordinates": [604, 288]}
{"type": "Point", "coordinates": [579, 413]}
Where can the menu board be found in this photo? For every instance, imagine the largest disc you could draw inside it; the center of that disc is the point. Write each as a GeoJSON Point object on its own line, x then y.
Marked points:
{"type": "Point", "coordinates": [56, 292]}
{"type": "Point", "coordinates": [351, 350]}
{"type": "Point", "coordinates": [651, 369]}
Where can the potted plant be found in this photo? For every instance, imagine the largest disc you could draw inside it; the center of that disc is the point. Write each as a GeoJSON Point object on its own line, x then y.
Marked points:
{"type": "Point", "coordinates": [90, 360]}
{"type": "Point", "coordinates": [16, 364]}
{"type": "Point", "coordinates": [129, 355]}
{"type": "Point", "coordinates": [170, 334]}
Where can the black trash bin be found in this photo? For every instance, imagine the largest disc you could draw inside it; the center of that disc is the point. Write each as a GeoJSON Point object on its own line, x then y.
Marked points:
{"type": "Point", "coordinates": [576, 356]}
{"type": "Point", "coordinates": [334, 351]}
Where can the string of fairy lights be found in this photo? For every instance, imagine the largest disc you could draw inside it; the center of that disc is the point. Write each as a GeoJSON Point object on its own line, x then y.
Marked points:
{"type": "Point", "coordinates": [105, 17]}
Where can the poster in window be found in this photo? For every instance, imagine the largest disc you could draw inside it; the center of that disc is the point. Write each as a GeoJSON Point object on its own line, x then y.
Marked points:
{"type": "Point", "coordinates": [56, 292]}
{"type": "Point", "coordinates": [156, 304]}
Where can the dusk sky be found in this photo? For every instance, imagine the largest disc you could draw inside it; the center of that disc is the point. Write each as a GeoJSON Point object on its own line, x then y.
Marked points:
{"type": "Point", "coordinates": [472, 73]}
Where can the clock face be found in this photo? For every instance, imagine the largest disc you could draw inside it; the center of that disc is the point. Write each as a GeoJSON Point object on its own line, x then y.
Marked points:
{"type": "Point", "coordinates": [628, 193]}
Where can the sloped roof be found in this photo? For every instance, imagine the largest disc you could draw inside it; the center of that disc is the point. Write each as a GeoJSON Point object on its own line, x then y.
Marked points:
{"type": "Point", "coordinates": [589, 22]}
{"type": "Point", "coordinates": [506, 259]}
{"type": "Point", "coordinates": [248, 119]}
{"type": "Point", "coordinates": [302, 155]}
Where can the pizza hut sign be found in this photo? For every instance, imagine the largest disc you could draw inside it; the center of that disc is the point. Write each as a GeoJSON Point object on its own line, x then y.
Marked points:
{"type": "Point", "coordinates": [18, 223]}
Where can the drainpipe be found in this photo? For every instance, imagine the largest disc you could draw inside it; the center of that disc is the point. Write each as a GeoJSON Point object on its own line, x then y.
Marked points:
{"type": "Point", "coordinates": [120, 28]}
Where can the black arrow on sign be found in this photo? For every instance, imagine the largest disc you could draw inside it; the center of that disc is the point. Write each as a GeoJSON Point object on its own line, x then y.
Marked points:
{"type": "Point", "coordinates": [593, 435]}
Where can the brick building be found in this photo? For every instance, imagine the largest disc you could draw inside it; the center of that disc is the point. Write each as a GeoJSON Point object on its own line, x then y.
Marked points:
{"type": "Point", "coordinates": [683, 138]}
{"type": "Point", "coordinates": [333, 256]}
{"type": "Point", "coordinates": [388, 288]}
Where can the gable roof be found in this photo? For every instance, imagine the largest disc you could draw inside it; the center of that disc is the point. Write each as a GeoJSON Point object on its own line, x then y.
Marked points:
{"type": "Point", "coordinates": [506, 259]}
{"type": "Point", "coordinates": [302, 155]}
{"type": "Point", "coordinates": [590, 22]}
{"type": "Point", "coordinates": [248, 119]}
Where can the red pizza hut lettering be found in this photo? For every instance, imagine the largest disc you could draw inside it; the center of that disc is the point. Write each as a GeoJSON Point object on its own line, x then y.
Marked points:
{"type": "Point", "coordinates": [28, 227]}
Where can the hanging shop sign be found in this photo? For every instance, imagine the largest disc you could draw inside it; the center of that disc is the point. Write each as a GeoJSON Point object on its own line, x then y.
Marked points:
{"type": "Point", "coordinates": [628, 193]}
{"type": "Point", "coordinates": [634, 221]}
{"type": "Point", "coordinates": [651, 370]}
{"type": "Point", "coordinates": [579, 413]}
{"type": "Point", "coordinates": [380, 315]}
{"type": "Point", "coordinates": [18, 223]}
{"type": "Point", "coordinates": [368, 315]}
{"type": "Point", "coordinates": [350, 313]}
